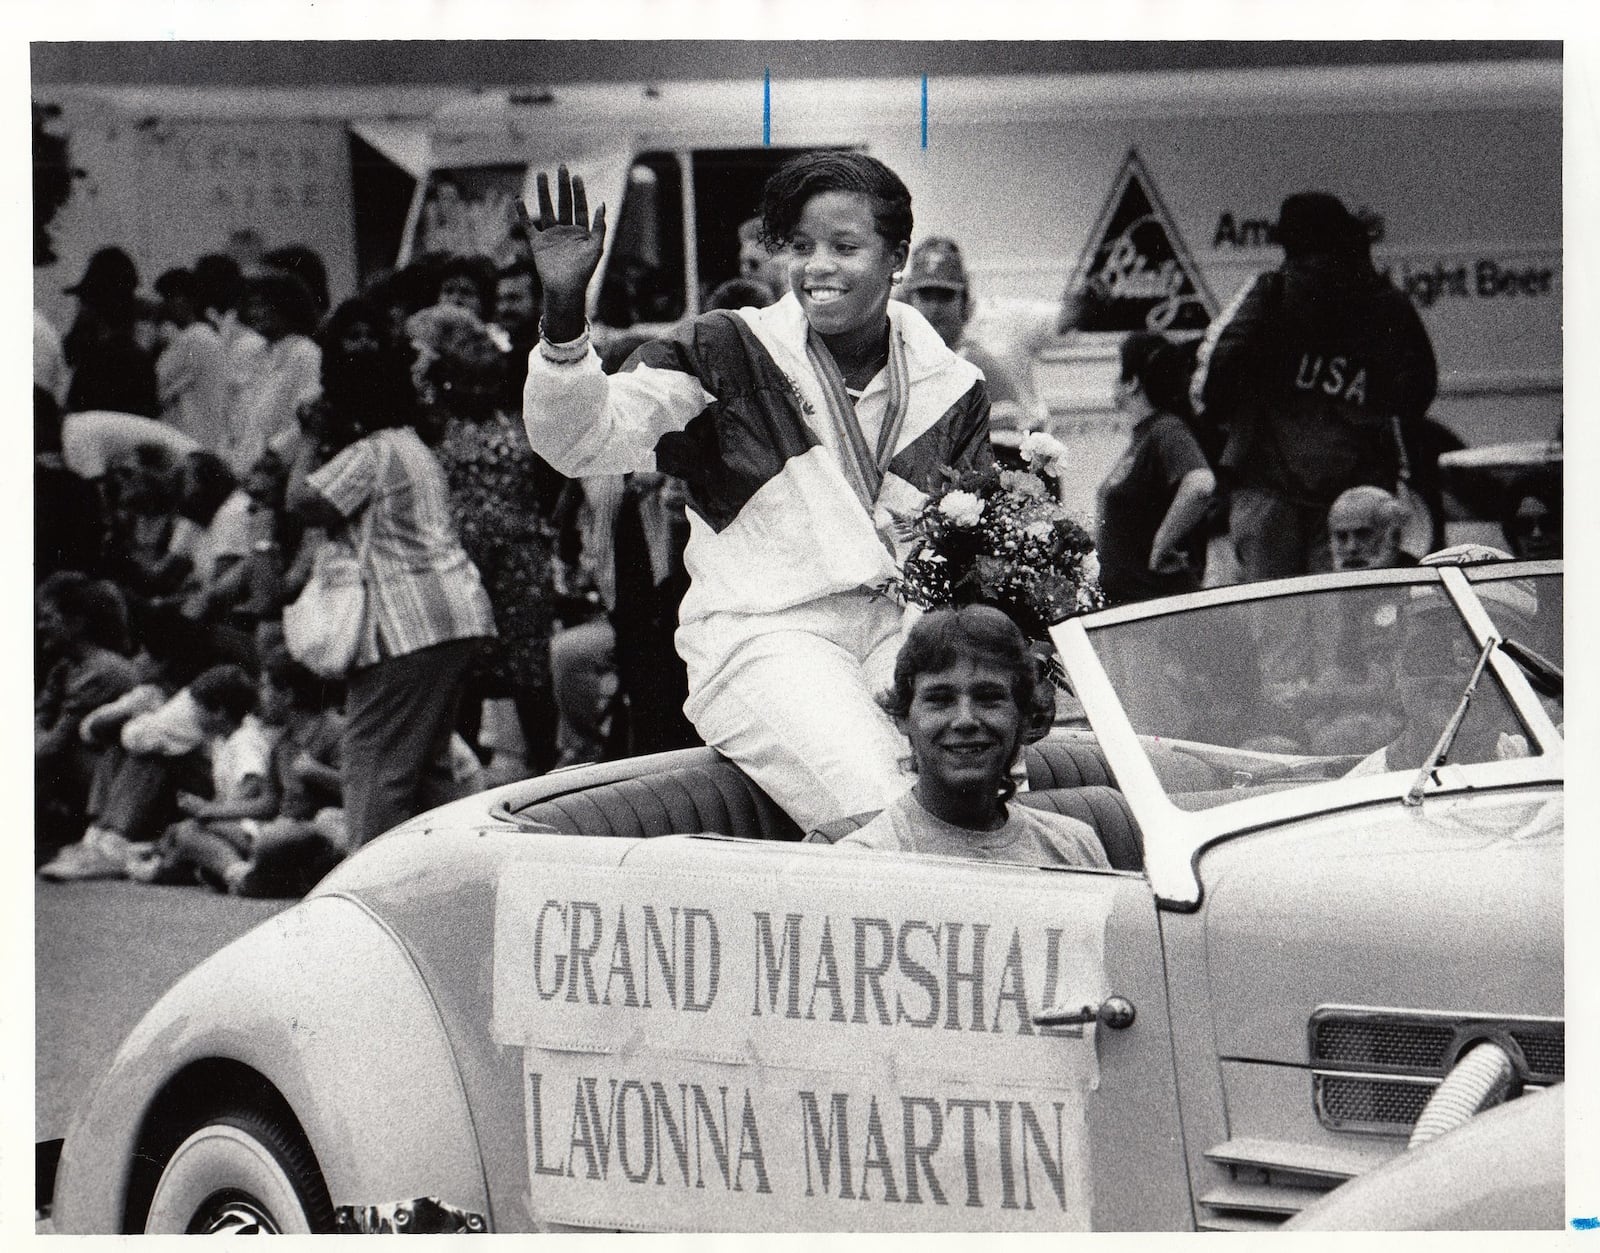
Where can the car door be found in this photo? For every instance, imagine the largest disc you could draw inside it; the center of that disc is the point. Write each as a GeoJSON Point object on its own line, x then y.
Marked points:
{"type": "Point", "coordinates": [726, 1035]}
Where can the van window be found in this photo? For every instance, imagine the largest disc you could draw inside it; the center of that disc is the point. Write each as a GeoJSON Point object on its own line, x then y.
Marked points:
{"type": "Point", "coordinates": [644, 276]}
{"type": "Point", "coordinates": [727, 192]}
{"type": "Point", "coordinates": [468, 212]}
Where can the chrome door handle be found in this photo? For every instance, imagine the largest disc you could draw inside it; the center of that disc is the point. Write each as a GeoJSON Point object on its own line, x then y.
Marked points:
{"type": "Point", "coordinates": [1115, 1011]}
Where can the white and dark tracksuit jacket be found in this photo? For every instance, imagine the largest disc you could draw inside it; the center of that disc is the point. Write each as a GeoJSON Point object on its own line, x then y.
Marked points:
{"type": "Point", "coordinates": [730, 404]}
{"type": "Point", "coordinates": [784, 643]}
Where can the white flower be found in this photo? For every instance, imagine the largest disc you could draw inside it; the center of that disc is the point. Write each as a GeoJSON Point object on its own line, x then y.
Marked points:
{"type": "Point", "coordinates": [1038, 530]}
{"type": "Point", "coordinates": [1091, 566]}
{"type": "Point", "coordinates": [1023, 484]}
{"type": "Point", "coordinates": [1044, 450]}
{"type": "Point", "coordinates": [962, 508]}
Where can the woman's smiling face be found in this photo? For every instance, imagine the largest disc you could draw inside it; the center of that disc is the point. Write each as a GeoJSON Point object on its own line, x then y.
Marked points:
{"type": "Point", "coordinates": [840, 268]}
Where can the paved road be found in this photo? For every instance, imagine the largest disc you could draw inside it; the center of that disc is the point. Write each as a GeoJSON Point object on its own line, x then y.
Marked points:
{"type": "Point", "coordinates": [104, 953]}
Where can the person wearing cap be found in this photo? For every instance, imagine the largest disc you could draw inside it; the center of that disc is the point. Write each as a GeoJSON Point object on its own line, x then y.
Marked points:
{"type": "Point", "coordinates": [109, 368]}
{"type": "Point", "coordinates": [1364, 527]}
{"type": "Point", "coordinates": [937, 286]}
{"type": "Point", "coordinates": [1311, 371]}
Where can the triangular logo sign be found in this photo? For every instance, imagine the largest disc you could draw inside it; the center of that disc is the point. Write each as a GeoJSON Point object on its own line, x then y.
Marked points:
{"type": "Point", "coordinates": [1136, 274]}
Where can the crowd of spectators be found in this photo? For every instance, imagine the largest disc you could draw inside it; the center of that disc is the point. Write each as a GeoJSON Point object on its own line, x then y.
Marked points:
{"type": "Point", "coordinates": [196, 445]}
{"type": "Point", "coordinates": [198, 442]}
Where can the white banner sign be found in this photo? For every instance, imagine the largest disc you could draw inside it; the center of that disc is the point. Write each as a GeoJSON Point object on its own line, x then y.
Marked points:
{"type": "Point", "coordinates": [834, 1054]}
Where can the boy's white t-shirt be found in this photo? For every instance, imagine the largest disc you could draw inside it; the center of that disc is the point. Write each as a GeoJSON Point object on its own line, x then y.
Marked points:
{"type": "Point", "coordinates": [1030, 837]}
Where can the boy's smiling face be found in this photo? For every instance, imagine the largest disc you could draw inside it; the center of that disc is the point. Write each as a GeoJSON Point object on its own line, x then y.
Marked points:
{"type": "Point", "coordinates": [964, 726]}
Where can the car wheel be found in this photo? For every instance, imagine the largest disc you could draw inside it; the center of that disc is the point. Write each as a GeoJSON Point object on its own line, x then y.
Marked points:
{"type": "Point", "coordinates": [241, 1173]}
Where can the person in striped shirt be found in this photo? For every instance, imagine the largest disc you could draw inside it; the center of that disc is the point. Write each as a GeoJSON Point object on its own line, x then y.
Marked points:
{"type": "Point", "coordinates": [427, 613]}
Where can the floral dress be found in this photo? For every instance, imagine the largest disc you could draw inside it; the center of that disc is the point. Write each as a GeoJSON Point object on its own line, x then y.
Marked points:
{"type": "Point", "coordinates": [500, 498]}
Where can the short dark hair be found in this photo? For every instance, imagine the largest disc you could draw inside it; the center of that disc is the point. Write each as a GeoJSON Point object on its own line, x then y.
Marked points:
{"type": "Point", "coordinates": [943, 637]}
{"type": "Point", "coordinates": [306, 690]}
{"type": "Point", "coordinates": [209, 482]}
{"type": "Point", "coordinates": [177, 284]}
{"type": "Point", "coordinates": [154, 461]}
{"type": "Point", "coordinates": [738, 293]}
{"type": "Point", "coordinates": [479, 271]}
{"type": "Point", "coordinates": [412, 287]}
{"type": "Point", "coordinates": [304, 263]}
{"type": "Point", "coordinates": [225, 689]}
{"type": "Point", "coordinates": [289, 296]}
{"type": "Point", "coordinates": [218, 281]}
{"type": "Point", "coordinates": [1161, 367]}
{"type": "Point", "coordinates": [98, 602]}
{"type": "Point", "coordinates": [796, 181]}
{"type": "Point", "coordinates": [368, 393]}
{"type": "Point", "coordinates": [357, 310]}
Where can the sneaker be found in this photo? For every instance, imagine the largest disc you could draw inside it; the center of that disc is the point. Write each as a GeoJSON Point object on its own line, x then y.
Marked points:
{"type": "Point", "coordinates": [78, 862]}
{"type": "Point", "coordinates": [113, 845]}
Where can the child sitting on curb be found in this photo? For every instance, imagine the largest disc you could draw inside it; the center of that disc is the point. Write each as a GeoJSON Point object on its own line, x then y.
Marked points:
{"type": "Point", "coordinates": [158, 755]}
{"type": "Point", "coordinates": [280, 837]}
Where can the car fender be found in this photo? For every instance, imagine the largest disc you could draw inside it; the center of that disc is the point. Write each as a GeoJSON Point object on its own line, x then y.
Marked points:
{"type": "Point", "coordinates": [326, 1006]}
{"type": "Point", "coordinates": [1500, 1170]}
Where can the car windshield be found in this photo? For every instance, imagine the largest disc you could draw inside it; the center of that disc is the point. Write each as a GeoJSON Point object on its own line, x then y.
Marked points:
{"type": "Point", "coordinates": [1526, 608]}
{"type": "Point", "coordinates": [1235, 699]}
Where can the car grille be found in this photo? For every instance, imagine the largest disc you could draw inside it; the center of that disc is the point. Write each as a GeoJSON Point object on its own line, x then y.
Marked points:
{"type": "Point", "coordinates": [1370, 1102]}
{"type": "Point", "coordinates": [1375, 1070]}
{"type": "Point", "coordinates": [1546, 1054]}
{"type": "Point", "coordinates": [1372, 1042]}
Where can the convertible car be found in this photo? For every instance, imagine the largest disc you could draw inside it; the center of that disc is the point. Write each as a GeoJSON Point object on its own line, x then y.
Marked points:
{"type": "Point", "coordinates": [635, 996]}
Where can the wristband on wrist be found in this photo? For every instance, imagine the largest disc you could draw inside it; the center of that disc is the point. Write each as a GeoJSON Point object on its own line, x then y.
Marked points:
{"type": "Point", "coordinates": [567, 353]}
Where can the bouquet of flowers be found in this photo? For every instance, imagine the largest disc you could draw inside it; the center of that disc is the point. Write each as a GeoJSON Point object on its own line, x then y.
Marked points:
{"type": "Point", "coordinates": [999, 537]}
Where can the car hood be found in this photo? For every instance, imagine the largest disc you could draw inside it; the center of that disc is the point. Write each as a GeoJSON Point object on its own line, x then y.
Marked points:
{"type": "Point", "coordinates": [1453, 906]}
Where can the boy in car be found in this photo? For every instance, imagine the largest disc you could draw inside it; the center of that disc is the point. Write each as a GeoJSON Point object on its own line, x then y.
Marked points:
{"type": "Point", "coordinates": [964, 694]}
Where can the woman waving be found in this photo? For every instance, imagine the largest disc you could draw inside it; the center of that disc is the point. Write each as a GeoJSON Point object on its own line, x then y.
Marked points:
{"type": "Point", "coordinates": [802, 431]}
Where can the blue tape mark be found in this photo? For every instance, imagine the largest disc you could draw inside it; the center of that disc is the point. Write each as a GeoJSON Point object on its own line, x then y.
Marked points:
{"type": "Point", "coordinates": [1585, 1224]}
{"type": "Point", "coordinates": [766, 108]}
{"type": "Point", "coordinates": [924, 110]}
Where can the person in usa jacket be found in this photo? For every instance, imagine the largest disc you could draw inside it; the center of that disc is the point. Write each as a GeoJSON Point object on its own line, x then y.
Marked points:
{"type": "Point", "coordinates": [1313, 373]}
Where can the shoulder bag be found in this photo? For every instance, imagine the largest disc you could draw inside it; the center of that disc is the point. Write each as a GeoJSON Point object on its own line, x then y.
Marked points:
{"type": "Point", "coordinates": [322, 629]}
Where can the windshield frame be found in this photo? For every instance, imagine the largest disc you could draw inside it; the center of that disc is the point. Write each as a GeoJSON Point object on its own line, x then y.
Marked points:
{"type": "Point", "coordinates": [1174, 837]}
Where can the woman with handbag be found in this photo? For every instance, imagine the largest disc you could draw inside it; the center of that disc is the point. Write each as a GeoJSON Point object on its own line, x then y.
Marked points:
{"type": "Point", "coordinates": [425, 612]}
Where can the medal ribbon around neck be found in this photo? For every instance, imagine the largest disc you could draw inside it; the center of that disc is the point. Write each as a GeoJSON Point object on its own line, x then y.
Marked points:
{"type": "Point", "coordinates": [864, 470]}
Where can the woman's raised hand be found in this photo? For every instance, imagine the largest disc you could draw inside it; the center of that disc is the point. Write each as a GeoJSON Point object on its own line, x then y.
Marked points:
{"type": "Point", "coordinates": [566, 251]}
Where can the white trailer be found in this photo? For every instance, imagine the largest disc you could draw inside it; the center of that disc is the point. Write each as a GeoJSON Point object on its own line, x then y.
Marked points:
{"type": "Point", "coordinates": [1152, 195]}
{"type": "Point", "coordinates": [1148, 198]}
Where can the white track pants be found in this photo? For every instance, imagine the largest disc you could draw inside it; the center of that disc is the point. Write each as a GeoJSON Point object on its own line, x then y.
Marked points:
{"type": "Point", "coordinates": [791, 697]}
